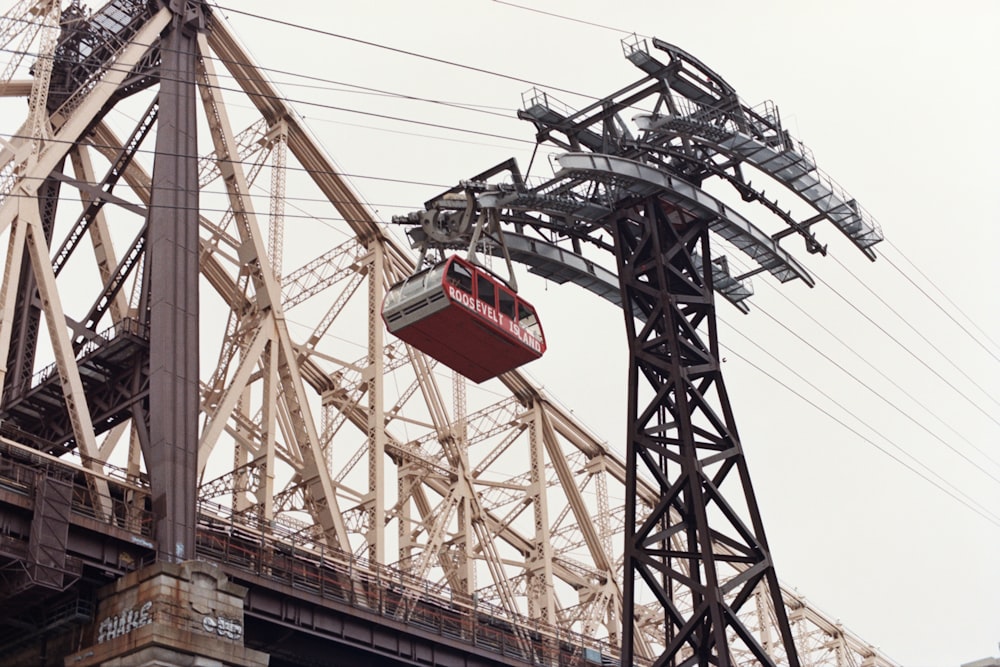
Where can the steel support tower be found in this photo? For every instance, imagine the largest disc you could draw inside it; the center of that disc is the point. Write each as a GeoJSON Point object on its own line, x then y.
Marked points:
{"type": "Point", "coordinates": [635, 189]}
{"type": "Point", "coordinates": [172, 282]}
{"type": "Point", "coordinates": [682, 433]}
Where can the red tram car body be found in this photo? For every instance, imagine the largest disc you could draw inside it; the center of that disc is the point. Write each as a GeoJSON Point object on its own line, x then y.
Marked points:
{"type": "Point", "coordinates": [465, 318]}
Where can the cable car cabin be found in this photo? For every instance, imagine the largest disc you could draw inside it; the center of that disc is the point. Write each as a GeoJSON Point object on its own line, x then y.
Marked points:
{"type": "Point", "coordinates": [465, 318]}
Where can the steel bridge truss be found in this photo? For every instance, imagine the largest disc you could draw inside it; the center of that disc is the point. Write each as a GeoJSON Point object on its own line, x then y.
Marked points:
{"type": "Point", "coordinates": [308, 417]}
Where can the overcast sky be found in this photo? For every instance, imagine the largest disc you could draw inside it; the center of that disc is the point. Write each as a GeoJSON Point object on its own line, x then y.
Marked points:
{"type": "Point", "coordinates": [832, 387]}
{"type": "Point", "coordinates": [868, 405]}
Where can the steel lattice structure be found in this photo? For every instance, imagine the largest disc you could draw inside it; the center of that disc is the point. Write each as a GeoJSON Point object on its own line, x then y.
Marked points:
{"type": "Point", "coordinates": [683, 439]}
{"type": "Point", "coordinates": [685, 436]}
{"type": "Point", "coordinates": [114, 209]}
{"type": "Point", "coordinates": [699, 553]}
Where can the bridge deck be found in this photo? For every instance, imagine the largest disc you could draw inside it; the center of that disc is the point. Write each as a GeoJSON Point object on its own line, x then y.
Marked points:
{"type": "Point", "coordinates": [302, 599]}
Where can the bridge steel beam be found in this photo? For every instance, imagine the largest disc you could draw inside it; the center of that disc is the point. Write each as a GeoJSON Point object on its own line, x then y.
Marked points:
{"type": "Point", "coordinates": [172, 454]}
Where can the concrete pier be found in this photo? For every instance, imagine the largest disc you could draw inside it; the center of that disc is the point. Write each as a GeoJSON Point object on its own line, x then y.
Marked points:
{"type": "Point", "coordinates": [169, 615]}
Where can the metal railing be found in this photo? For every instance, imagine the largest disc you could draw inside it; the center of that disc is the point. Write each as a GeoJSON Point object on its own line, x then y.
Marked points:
{"type": "Point", "coordinates": [126, 326]}
{"type": "Point", "coordinates": [21, 469]}
{"type": "Point", "coordinates": [332, 574]}
{"type": "Point", "coordinates": [294, 558]}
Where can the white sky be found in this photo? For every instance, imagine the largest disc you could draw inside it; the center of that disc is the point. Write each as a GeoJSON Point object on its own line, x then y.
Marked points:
{"type": "Point", "coordinates": [898, 102]}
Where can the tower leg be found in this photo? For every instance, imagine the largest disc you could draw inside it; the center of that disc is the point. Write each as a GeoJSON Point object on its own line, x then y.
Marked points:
{"type": "Point", "coordinates": [700, 554]}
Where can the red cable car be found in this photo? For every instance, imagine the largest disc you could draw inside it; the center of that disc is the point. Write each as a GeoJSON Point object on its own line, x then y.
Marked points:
{"type": "Point", "coordinates": [465, 318]}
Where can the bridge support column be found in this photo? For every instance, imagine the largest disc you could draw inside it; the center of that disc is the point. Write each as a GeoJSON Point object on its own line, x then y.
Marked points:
{"type": "Point", "coordinates": [169, 615]}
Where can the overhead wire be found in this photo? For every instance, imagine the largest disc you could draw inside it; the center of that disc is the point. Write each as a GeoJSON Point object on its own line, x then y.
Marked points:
{"type": "Point", "coordinates": [910, 351]}
{"type": "Point", "coordinates": [875, 393]}
{"type": "Point", "coordinates": [348, 87]}
{"type": "Point", "coordinates": [980, 510]}
{"type": "Point", "coordinates": [313, 171]}
{"type": "Point", "coordinates": [569, 18]}
{"type": "Point", "coordinates": [888, 306]}
{"type": "Point", "coordinates": [359, 176]}
{"type": "Point", "coordinates": [862, 358]}
{"type": "Point", "coordinates": [404, 52]}
{"type": "Point", "coordinates": [394, 118]}
{"type": "Point", "coordinates": [466, 106]}
{"type": "Point", "coordinates": [332, 107]}
{"type": "Point", "coordinates": [343, 174]}
{"type": "Point", "coordinates": [471, 107]}
{"type": "Point", "coordinates": [947, 313]}
{"type": "Point", "coordinates": [903, 273]}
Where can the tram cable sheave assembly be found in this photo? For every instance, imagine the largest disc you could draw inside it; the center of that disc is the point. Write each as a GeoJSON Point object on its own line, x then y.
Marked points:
{"type": "Point", "coordinates": [633, 186]}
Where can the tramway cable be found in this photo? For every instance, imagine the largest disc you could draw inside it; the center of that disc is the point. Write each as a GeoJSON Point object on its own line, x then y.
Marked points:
{"type": "Point", "coordinates": [920, 334]}
{"type": "Point", "coordinates": [989, 516]}
{"type": "Point", "coordinates": [884, 376]}
{"type": "Point", "coordinates": [878, 394]}
{"type": "Point", "coordinates": [349, 87]}
{"type": "Point", "coordinates": [592, 24]}
{"type": "Point", "coordinates": [366, 113]}
{"type": "Point", "coordinates": [897, 268]}
{"type": "Point", "coordinates": [939, 306]}
{"type": "Point", "coordinates": [413, 54]}
{"type": "Point", "coordinates": [562, 17]}
{"type": "Point", "coordinates": [911, 352]}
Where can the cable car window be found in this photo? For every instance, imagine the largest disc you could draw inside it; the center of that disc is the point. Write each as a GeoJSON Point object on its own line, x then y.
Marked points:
{"type": "Point", "coordinates": [392, 298]}
{"type": "Point", "coordinates": [507, 304]}
{"type": "Point", "coordinates": [460, 277]}
{"type": "Point", "coordinates": [527, 319]}
{"type": "Point", "coordinates": [411, 286]}
{"type": "Point", "coordinates": [428, 279]}
{"type": "Point", "coordinates": [487, 292]}
{"type": "Point", "coordinates": [405, 289]}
